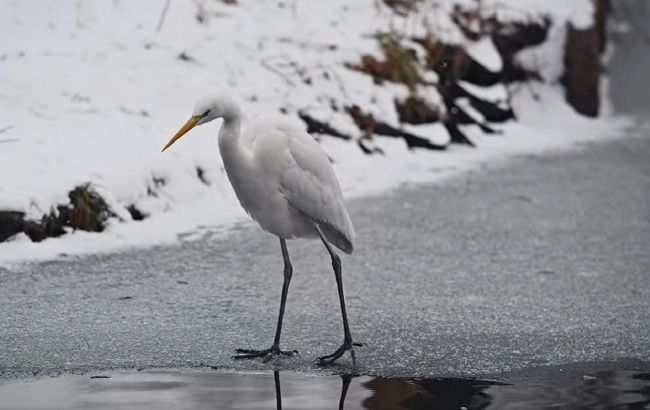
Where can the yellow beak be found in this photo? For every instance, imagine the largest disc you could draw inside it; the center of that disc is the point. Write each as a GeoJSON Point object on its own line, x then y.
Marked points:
{"type": "Point", "coordinates": [191, 123]}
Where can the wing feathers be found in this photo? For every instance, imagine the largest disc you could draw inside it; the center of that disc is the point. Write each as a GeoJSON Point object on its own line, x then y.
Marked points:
{"type": "Point", "coordinates": [294, 160]}
{"type": "Point", "coordinates": [310, 186]}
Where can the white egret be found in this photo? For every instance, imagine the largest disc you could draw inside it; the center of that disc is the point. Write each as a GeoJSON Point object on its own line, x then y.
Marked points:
{"type": "Point", "coordinates": [284, 181]}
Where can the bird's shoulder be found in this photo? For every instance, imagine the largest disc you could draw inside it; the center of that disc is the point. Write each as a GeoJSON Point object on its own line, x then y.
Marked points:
{"type": "Point", "coordinates": [273, 129]}
{"type": "Point", "coordinates": [281, 143]}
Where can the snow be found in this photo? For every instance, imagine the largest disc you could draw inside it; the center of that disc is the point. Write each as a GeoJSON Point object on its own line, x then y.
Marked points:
{"type": "Point", "coordinates": [484, 51]}
{"type": "Point", "coordinates": [548, 58]}
{"type": "Point", "coordinates": [577, 12]}
{"type": "Point", "coordinates": [494, 93]}
{"type": "Point", "coordinates": [91, 91]}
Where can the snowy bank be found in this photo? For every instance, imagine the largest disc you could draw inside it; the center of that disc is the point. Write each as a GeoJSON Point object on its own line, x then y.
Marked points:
{"type": "Point", "coordinates": [91, 91]}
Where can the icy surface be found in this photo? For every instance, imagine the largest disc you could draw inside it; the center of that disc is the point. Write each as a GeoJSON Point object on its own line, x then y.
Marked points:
{"type": "Point", "coordinates": [92, 90]}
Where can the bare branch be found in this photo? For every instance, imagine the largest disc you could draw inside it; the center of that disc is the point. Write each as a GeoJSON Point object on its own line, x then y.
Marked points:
{"type": "Point", "coordinates": [163, 14]}
{"type": "Point", "coordinates": [266, 64]}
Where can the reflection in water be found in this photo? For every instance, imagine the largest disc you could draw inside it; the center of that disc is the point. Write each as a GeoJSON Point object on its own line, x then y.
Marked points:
{"type": "Point", "coordinates": [397, 394]}
{"type": "Point", "coordinates": [293, 391]}
{"type": "Point", "coordinates": [440, 394]}
{"type": "Point", "coordinates": [345, 384]}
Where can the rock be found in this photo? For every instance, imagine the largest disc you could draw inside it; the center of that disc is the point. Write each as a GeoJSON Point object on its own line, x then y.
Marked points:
{"type": "Point", "coordinates": [602, 10]}
{"type": "Point", "coordinates": [456, 135]}
{"type": "Point", "coordinates": [512, 38]}
{"type": "Point", "coordinates": [582, 70]}
{"type": "Point", "coordinates": [136, 214]}
{"type": "Point", "coordinates": [320, 127]}
{"type": "Point", "coordinates": [11, 223]}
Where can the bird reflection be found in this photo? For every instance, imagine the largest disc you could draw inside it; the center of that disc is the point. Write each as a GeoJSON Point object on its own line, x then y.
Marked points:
{"type": "Point", "coordinates": [278, 390]}
{"type": "Point", "coordinates": [383, 393]}
{"type": "Point", "coordinates": [603, 390]}
{"type": "Point", "coordinates": [345, 385]}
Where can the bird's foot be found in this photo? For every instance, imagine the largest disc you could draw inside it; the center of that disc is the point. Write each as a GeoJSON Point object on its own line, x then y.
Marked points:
{"type": "Point", "coordinates": [267, 354]}
{"type": "Point", "coordinates": [331, 358]}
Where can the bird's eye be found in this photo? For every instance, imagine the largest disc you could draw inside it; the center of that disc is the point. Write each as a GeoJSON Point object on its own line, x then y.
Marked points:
{"type": "Point", "coordinates": [205, 114]}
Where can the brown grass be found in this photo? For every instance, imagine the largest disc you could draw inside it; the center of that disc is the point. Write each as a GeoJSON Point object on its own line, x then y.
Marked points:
{"type": "Point", "coordinates": [414, 110]}
{"type": "Point", "coordinates": [400, 64]}
{"type": "Point", "coordinates": [87, 211]}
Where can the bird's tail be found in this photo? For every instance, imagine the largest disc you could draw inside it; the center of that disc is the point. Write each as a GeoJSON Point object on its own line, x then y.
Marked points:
{"type": "Point", "coordinates": [342, 240]}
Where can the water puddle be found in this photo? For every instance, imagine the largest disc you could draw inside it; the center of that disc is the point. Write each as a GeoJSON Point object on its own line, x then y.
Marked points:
{"type": "Point", "coordinates": [286, 390]}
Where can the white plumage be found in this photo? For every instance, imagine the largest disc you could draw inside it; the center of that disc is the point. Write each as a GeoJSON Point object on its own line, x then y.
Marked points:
{"type": "Point", "coordinates": [284, 180]}
{"type": "Point", "coordinates": [290, 183]}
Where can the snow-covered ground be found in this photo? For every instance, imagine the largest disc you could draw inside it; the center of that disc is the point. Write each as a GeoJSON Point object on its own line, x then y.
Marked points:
{"type": "Point", "coordinates": [91, 90]}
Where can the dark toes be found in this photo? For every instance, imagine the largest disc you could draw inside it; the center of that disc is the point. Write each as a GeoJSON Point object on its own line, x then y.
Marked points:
{"type": "Point", "coordinates": [325, 362]}
{"type": "Point", "coordinates": [246, 351]}
{"type": "Point", "coordinates": [331, 358]}
{"type": "Point", "coordinates": [327, 356]}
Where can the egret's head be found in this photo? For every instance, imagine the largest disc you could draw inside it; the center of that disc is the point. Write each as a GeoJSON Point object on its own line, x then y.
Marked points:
{"type": "Point", "coordinates": [205, 110]}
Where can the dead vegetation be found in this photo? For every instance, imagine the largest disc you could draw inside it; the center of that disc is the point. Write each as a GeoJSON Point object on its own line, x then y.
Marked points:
{"type": "Point", "coordinates": [86, 211]}
{"type": "Point", "coordinates": [407, 60]}
{"type": "Point", "coordinates": [400, 64]}
{"type": "Point", "coordinates": [414, 110]}
{"type": "Point", "coordinates": [371, 126]}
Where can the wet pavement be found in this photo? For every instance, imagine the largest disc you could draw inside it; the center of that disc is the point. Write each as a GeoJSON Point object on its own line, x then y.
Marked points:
{"type": "Point", "coordinates": [287, 390]}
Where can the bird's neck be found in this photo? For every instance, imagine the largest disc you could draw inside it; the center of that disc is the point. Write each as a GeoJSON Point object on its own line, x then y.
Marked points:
{"type": "Point", "coordinates": [229, 144]}
{"type": "Point", "coordinates": [233, 153]}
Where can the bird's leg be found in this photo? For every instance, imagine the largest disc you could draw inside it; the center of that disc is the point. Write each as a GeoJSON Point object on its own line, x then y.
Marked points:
{"type": "Point", "coordinates": [278, 390]}
{"type": "Point", "coordinates": [275, 348]}
{"type": "Point", "coordinates": [345, 385]}
{"type": "Point", "coordinates": [347, 337]}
